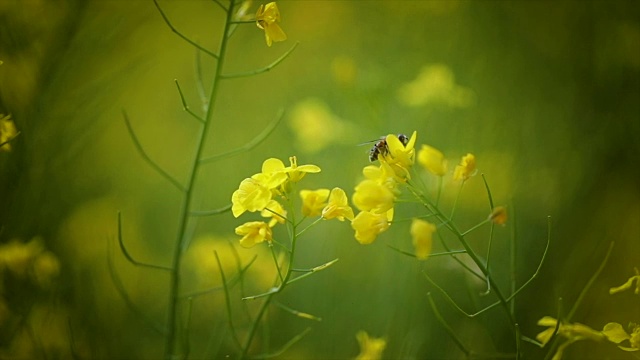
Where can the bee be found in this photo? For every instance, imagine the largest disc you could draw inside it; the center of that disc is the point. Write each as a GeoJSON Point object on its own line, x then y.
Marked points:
{"type": "Point", "coordinates": [380, 146]}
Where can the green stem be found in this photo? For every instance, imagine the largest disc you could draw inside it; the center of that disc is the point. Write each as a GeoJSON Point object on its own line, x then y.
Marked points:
{"type": "Point", "coordinates": [172, 344]}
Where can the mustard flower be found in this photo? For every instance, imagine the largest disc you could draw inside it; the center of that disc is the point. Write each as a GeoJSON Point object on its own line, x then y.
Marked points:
{"type": "Point", "coordinates": [372, 196]}
{"type": "Point", "coordinates": [369, 225]}
{"type": "Point", "coordinates": [400, 157]}
{"type": "Point", "coordinates": [370, 348]}
{"type": "Point", "coordinates": [628, 285]}
{"type": "Point", "coordinates": [338, 206]}
{"type": "Point", "coordinates": [273, 174]}
{"type": "Point", "coordinates": [422, 236]}
{"type": "Point", "coordinates": [616, 334]}
{"type": "Point", "coordinates": [7, 132]}
{"type": "Point", "coordinates": [267, 19]}
{"type": "Point", "coordinates": [250, 196]}
{"type": "Point", "coordinates": [466, 169]}
{"type": "Point", "coordinates": [433, 160]}
{"type": "Point", "coordinates": [572, 332]}
{"type": "Point", "coordinates": [499, 215]}
{"type": "Point", "coordinates": [254, 232]}
{"type": "Point", "coordinates": [313, 201]}
{"type": "Point", "coordinates": [296, 173]}
{"type": "Point", "coordinates": [275, 211]}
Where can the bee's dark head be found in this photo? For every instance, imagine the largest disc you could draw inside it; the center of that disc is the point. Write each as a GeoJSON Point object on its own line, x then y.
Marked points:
{"type": "Point", "coordinates": [404, 139]}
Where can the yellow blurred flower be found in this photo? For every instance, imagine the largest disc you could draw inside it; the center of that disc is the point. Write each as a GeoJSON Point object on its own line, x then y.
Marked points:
{"type": "Point", "coordinates": [316, 127]}
{"type": "Point", "coordinates": [8, 131]}
{"type": "Point", "coordinates": [370, 348]}
{"type": "Point", "coordinates": [275, 211]}
{"type": "Point", "coordinates": [369, 225]}
{"type": "Point", "coordinates": [267, 19]}
{"type": "Point", "coordinates": [313, 201]}
{"type": "Point", "coordinates": [466, 169]}
{"type": "Point", "coordinates": [435, 84]}
{"type": "Point", "coordinates": [433, 160]}
{"type": "Point", "coordinates": [616, 334]}
{"type": "Point", "coordinates": [628, 285]}
{"type": "Point", "coordinates": [499, 215]}
{"type": "Point", "coordinates": [254, 232]}
{"type": "Point", "coordinates": [572, 332]}
{"type": "Point", "coordinates": [46, 268]}
{"type": "Point", "coordinates": [422, 236]}
{"type": "Point", "coordinates": [374, 197]}
{"type": "Point", "coordinates": [250, 196]}
{"type": "Point", "coordinates": [338, 206]}
{"type": "Point", "coordinates": [400, 157]}
{"type": "Point", "coordinates": [18, 257]}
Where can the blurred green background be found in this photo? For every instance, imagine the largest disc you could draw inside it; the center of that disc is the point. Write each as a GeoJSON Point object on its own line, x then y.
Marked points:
{"type": "Point", "coordinates": [545, 94]}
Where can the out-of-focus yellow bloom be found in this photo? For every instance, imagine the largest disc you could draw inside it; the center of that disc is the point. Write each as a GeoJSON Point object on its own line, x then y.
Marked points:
{"type": "Point", "coordinates": [572, 332]}
{"type": "Point", "coordinates": [344, 70]}
{"type": "Point", "coordinates": [313, 201]}
{"type": "Point", "coordinates": [250, 196]}
{"type": "Point", "coordinates": [499, 215]}
{"type": "Point", "coordinates": [400, 157]}
{"type": "Point", "coordinates": [46, 268]}
{"type": "Point", "coordinates": [8, 131]}
{"type": "Point", "coordinates": [628, 285]}
{"type": "Point", "coordinates": [422, 236]}
{"type": "Point", "coordinates": [254, 232]}
{"type": "Point", "coordinates": [338, 206]}
{"type": "Point", "coordinates": [370, 348]}
{"type": "Point", "coordinates": [275, 211]}
{"type": "Point", "coordinates": [435, 84]}
{"type": "Point", "coordinates": [433, 160]}
{"type": "Point", "coordinates": [243, 11]}
{"type": "Point", "coordinates": [369, 225]}
{"type": "Point", "coordinates": [616, 334]}
{"type": "Point", "coordinates": [316, 127]}
{"type": "Point", "coordinates": [18, 257]}
{"type": "Point", "coordinates": [466, 169]}
{"type": "Point", "coordinates": [267, 19]}
{"type": "Point", "coordinates": [372, 196]}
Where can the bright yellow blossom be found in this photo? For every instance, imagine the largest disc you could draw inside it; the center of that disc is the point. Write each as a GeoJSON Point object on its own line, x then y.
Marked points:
{"type": "Point", "coordinates": [267, 19]}
{"type": "Point", "coordinates": [296, 173]}
{"type": "Point", "coordinates": [254, 232]}
{"type": "Point", "coordinates": [371, 196]}
{"type": "Point", "coordinates": [275, 211]}
{"type": "Point", "coordinates": [7, 132]}
{"type": "Point", "coordinates": [338, 206]}
{"type": "Point", "coordinates": [572, 332]}
{"type": "Point", "coordinates": [628, 285]}
{"type": "Point", "coordinates": [369, 225]}
{"type": "Point", "coordinates": [370, 348]}
{"type": "Point", "coordinates": [422, 236]}
{"type": "Point", "coordinates": [400, 157]}
{"type": "Point", "coordinates": [313, 201]}
{"type": "Point", "coordinates": [466, 169]}
{"type": "Point", "coordinates": [250, 196]}
{"type": "Point", "coordinates": [616, 334]}
{"type": "Point", "coordinates": [433, 160]}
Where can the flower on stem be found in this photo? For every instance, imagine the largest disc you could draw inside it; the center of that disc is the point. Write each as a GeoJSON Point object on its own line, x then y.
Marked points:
{"type": "Point", "coordinates": [399, 157]}
{"type": "Point", "coordinates": [276, 212]}
{"type": "Point", "coordinates": [250, 196]}
{"type": "Point", "coordinates": [267, 19]}
{"type": "Point", "coordinates": [369, 225]}
{"type": "Point", "coordinates": [572, 332]}
{"type": "Point", "coordinates": [313, 201]}
{"type": "Point", "coordinates": [433, 160]}
{"type": "Point", "coordinates": [7, 132]}
{"type": "Point", "coordinates": [499, 215]}
{"type": "Point", "coordinates": [372, 196]}
{"type": "Point", "coordinates": [422, 236]}
{"type": "Point", "coordinates": [370, 348]}
{"type": "Point", "coordinates": [466, 169]}
{"type": "Point", "coordinates": [628, 285]}
{"type": "Point", "coordinates": [254, 232]}
{"type": "Point", "coordinates": [616, 334]}
{"type": "Point", "coordinates": [296, 173]}
{"type": "Point", "coordinates": [338, 206]}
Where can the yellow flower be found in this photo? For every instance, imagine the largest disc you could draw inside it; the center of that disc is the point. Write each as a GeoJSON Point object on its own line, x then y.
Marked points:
{"type": "Point", "coordinates": [369, 225]}
{"type": "Point", "coordinates": [616, 334]}
{"type": "Point", "coordinates": [370, 348]}
{"type": "Point", "coordinates": [267, 19]}
{"type": "Point", "coordinates": [572, 332]}
{"type": "Point", "coordinates": [296, 173]}
{"type": "Point", "coordinates": [422, 236]}
{"type": "Point", "coordinates": [250, 196]}
{"type": "Point", "coordinates": [275, 211]}
{"type": "Point", "coordinates": [338, 206]}
{"type": "Point", "coordinates": [433, 160]}
{"type": "Point", "coordinates": [254, 232]}
{"type": "Point", "coordinates": [373, 197]}
{"type": "Point", "coordinates": [627, 285]}
{"type": "Point", "coordinates": [273, 174]}
{"type": "Point", "coordinates": [499, 215]}
{"type": "Point", "coordinates": [313, 201]}
{"type": "Point", "coordinates": [400, 157]}
{"type": "Point", "coordinates": [7, 132]}
{"type": "Point", "coordinates": [466, 169]}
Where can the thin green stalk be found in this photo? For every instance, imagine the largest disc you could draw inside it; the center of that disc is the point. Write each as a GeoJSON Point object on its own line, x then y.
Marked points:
{"type": "Point", "coordinates": [512, 256]}
{"type": "Point", "coordinates": [451, 332]}
{"type": "Point", "coordinates": [171, 345]}
{"type": "Point", "coordinates": [455, 202]}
